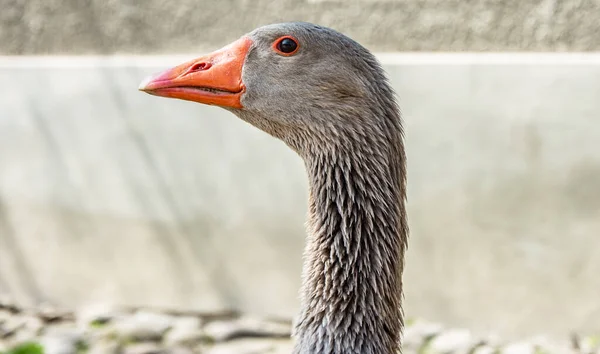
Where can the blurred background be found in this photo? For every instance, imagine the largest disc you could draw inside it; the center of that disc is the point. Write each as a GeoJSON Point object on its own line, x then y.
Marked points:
{"type": "Point", "coordinates": [114, 196]}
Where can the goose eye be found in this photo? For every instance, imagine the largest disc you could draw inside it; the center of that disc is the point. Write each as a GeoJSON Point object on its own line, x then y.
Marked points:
{"type": "Point", "coordinates": [286, 45]}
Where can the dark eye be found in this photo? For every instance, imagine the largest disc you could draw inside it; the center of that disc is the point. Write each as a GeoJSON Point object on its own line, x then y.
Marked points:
{"type": "Point", "coordinates": [286, 45]}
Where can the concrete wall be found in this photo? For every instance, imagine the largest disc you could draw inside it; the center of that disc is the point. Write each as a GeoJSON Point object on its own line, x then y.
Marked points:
{"type": "Point", "coordinates": [108, 194]}
{"type": "Point", "coordinates": [157, 26]}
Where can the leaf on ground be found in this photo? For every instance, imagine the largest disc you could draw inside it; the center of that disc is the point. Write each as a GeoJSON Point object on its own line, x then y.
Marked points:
{"type": "Point", "coordinates": [26, 348]}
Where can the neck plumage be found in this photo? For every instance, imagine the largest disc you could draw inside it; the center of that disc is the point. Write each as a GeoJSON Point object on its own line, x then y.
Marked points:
{"type": "Point", "coordinates": [352, 278]}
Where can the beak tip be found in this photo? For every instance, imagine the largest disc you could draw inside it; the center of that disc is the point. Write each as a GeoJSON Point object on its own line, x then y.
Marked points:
{"type": "Point", "coordinates": [145, 84]}
{"type": "Point", "coordinates": [142, 86]}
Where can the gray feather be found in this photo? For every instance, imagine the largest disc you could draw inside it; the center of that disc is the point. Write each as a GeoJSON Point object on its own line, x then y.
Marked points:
{"type": "Point", "coordinates": [331, 103]}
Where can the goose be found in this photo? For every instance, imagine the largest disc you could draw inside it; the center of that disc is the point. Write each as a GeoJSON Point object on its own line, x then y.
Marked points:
{"type": "Point", "coordinates": [327, 98]}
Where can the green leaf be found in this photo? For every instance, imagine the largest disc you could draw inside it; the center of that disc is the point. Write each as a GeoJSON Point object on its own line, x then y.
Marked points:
{"type": "Point", "coordinates": [27, 348]}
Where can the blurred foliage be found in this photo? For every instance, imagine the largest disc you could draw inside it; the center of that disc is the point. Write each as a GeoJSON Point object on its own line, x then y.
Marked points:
{"type": "Point", "coordinates": [26, 348]}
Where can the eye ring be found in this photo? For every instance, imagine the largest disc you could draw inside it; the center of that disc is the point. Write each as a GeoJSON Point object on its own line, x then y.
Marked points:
{"type": "Point", "coordinates": [286, 46]}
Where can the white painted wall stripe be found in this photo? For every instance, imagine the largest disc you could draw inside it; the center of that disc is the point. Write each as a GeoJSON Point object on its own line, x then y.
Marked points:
{"type": "Point", "coordinates": [396, 58]}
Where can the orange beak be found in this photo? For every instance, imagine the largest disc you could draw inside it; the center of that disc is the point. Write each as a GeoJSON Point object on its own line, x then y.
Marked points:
{"type": "Point", "coordinates": [214, 79]}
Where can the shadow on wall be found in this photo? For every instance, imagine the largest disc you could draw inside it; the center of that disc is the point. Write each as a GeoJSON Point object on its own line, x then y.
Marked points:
{"type": "Point", "coordinates": [529, 251]}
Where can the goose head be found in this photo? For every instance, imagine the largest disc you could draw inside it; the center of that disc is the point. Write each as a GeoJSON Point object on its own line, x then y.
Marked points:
{"type": "Point", "coordinates": [305, 84]}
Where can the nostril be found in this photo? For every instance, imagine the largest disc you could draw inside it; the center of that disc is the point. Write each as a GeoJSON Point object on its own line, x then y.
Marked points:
{"type": "Point", "coordinates": [200, 67]}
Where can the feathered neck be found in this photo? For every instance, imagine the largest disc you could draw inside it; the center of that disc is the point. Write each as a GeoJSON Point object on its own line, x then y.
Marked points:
{"type": "Point", "coordinates": [357, 236]}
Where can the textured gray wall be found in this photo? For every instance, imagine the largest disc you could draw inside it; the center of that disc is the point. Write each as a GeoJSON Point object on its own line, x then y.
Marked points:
{"type": "Point", "coordinates": [158, 26]}
{"type": "Point", "coordinates": [109, 194]}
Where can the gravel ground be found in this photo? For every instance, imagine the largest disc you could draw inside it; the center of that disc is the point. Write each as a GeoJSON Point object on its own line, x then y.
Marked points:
{"type": "Point", "coordinates": [111, 330]}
